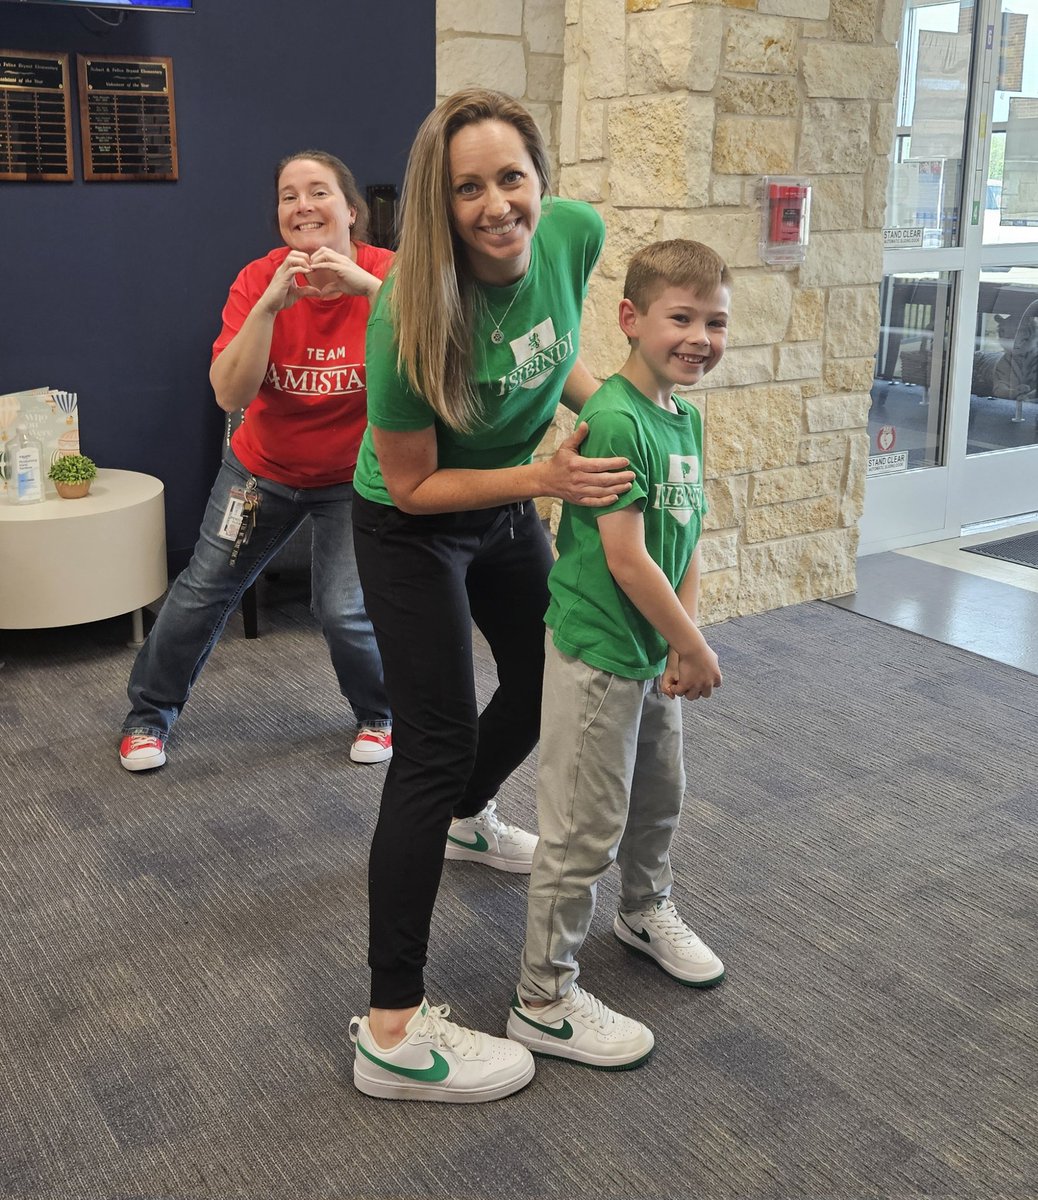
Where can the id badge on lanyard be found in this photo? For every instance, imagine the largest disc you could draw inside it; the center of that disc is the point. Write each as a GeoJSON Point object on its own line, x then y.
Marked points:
{"type": "Point", "coordinates": [239, 518]}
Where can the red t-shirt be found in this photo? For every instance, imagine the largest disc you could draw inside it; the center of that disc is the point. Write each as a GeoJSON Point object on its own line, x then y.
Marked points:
{"type": "Point", "coordinates": [304, 427]}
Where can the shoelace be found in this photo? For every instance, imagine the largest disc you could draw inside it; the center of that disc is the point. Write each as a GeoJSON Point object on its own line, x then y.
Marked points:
{"type": "Point", "coordinates": [368, 734]}
{"type": "Point", "coordinates": [464, 1042]}
{"type": "Point", "coordinates": [591, 1009]}
{"type": "Point", "coordinates": [494, 822]}
{"type": "Point", "coordinates": [667, 923]}
{"type": "Point", "coordinates": [137, 740]}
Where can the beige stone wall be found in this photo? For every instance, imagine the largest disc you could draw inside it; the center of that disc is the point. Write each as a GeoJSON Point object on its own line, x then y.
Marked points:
{"type": "Point", "coordinates": [671, 110]}
{"type": "Point", "coordinates": [515, 46]}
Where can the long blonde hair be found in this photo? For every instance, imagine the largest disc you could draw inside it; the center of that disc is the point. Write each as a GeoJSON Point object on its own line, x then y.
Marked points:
{"type": "Point", "coordinates": [434, 301]}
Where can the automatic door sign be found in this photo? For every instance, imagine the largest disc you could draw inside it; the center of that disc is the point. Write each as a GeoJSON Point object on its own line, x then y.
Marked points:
{"type": "Point", "coordinates": [884, 462]}
{"type": "Point", "coordinates": [902, 237]}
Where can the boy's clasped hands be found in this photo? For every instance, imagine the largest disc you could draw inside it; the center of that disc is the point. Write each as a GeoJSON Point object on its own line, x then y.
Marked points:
{"type": "Point", "coordinates": [692, 674]}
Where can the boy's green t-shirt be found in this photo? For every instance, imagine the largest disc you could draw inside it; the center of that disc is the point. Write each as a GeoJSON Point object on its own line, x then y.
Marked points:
{"type": "Point", "coordinates": [520, 381]}
{"type": "Point", "coordinates": [589, 615]}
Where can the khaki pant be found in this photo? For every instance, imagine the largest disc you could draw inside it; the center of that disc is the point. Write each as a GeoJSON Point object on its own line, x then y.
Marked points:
{"type": "Point", "coordinates": [609, 789]}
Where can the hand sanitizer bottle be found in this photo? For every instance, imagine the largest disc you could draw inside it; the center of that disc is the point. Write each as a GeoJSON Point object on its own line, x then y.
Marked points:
{"type": "Point", "coordinates": [25, 464]}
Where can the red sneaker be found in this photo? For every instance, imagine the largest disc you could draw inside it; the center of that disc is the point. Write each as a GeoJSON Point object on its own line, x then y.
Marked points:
{"type": "Point", "coordinates": [142, 751]}
{"type": "Point", "coordinates": [372, 745]}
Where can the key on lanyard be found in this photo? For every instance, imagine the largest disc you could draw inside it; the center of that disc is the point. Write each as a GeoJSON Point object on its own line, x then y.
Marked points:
{"type": "Point", "coordinates": [248, 520]}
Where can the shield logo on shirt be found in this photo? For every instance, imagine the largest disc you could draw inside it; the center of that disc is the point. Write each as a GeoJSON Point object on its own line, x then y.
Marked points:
{"type": "Point", "coordinates": [684, 469]}
{"type": "Point", "coordinates": [534, 340]}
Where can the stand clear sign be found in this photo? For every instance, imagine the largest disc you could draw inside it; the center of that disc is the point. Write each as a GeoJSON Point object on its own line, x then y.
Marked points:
{"type": "Point", "coordinates": [902, 237]}
{"type": "Point", "coordinates": [887, 464]}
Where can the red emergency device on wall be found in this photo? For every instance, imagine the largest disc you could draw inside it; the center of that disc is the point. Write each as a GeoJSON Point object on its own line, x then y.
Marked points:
{"type": "Point", "coordinates": [785, 220]}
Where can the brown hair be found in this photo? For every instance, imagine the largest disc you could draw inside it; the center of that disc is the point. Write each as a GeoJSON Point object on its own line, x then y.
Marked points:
{"type": "Point", "coordinates": [343, 177]}
{"type": "Point", "coordinates": [677, 263]}
{"type": "Point", "coordinates": [434, 302]}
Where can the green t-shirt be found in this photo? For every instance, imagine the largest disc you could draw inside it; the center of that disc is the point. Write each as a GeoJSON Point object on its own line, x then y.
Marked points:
{"type": "Point", "coordinates": [520, 381]}
{"type": "Point", "coordinates": [590, 616]}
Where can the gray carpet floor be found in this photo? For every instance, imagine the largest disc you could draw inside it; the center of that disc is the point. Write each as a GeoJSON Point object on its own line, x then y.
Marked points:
{"type": "Point", "coordinates": [182, 950]}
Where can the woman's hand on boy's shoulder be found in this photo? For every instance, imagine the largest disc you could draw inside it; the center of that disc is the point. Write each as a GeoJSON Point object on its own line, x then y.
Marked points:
{"type": "Point", "coordinates": [593, 482]}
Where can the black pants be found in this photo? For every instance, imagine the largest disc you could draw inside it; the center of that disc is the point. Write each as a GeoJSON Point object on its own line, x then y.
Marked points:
{"type": "Point", "coordinates": [426, 580]}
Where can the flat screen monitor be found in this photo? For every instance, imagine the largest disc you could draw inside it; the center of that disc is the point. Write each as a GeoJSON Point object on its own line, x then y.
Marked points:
{"type": "Point", "coordinates": [146, 5]}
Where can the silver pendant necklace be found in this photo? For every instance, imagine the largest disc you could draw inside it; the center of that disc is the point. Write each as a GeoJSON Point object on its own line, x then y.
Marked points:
{"type": "Point", "coordinates": [497, 337]}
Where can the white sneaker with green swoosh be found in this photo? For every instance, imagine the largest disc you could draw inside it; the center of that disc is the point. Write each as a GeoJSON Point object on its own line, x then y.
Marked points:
{"type": "Point", "coordinates": [438, 1060]}
{"type": "Point", "coordinates": [579, 1027]}
{"type": "Point", "coordinates": [486, 839]}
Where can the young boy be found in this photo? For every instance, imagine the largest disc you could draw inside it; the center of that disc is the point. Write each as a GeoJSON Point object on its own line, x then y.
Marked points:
{"type": "Point", "coordinates": [622, 647]}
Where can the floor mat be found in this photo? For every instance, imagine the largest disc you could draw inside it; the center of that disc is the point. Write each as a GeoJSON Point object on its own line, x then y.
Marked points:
{"type": "Point", "coordinates": [1022, 549]}
{"type": "Point", "coordinates": [954, 607]}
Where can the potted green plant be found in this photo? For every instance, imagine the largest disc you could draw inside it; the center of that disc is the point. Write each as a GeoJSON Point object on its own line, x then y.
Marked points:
{"type": "Point", "coordinates": [71, 475]}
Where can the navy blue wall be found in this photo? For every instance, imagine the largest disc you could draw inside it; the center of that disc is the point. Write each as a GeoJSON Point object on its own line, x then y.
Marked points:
{"type": "Point", "coordinates": [114, 290]}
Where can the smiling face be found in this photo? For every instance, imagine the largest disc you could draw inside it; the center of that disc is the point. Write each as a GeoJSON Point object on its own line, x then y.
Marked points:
{"type": "Point", "coordinates": [312, 210]}
{"type": "Point", "coordinates": [679, 338]}
{"type": "Point", "coordinates": [495, 199]}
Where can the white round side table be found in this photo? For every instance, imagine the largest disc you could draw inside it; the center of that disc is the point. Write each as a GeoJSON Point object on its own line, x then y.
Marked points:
{"type": "Point", "coordinates": [65, 562]}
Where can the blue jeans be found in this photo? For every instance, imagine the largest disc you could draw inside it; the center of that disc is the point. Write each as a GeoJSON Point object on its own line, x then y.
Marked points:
{"type": "Point", "coordinates": [209, 589]}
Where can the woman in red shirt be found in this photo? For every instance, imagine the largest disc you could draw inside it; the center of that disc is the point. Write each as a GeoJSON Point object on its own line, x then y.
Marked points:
{"type": "Point", "coordinates": [291, 356]}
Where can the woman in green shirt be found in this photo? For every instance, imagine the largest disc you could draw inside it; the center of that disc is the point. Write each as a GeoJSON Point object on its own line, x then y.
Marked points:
{"type": "Point", "coordinates": [472, 345]}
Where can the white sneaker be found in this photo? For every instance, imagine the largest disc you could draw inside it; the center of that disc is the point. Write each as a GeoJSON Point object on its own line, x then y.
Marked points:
{"type": "Point", "coordinates": [661, 934]}
{"type": "Point", "coordinates": [439, 1060]}
{"type": "Point", "coordinates": [485, 838]}
{"type": "Point", "coordinates": [580, 1027]}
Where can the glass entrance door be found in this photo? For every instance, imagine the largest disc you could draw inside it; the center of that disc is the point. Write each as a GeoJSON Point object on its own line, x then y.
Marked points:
{"type": "Point", "coordinates": [954, 418]}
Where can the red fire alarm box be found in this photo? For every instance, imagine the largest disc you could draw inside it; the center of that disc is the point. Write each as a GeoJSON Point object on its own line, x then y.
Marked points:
{"type": "Point", "coordinates": [785, 220]}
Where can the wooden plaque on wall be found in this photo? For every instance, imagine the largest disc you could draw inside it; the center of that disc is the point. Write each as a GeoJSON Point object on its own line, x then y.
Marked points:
{"type": "Point", "coordinates": [127, 118]}
{"type": "Point", "coordinates": [35, 120]}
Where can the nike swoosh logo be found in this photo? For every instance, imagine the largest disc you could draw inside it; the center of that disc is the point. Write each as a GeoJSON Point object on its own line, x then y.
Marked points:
{"type": "Point", "coordinates": [436, 1073]}
{"type": "Point", "coordinates": [565, 1032]}
{"type": "Point", "coordinates": [637, 933]}
{"type": "Point", "coordinates": [480, 843]}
